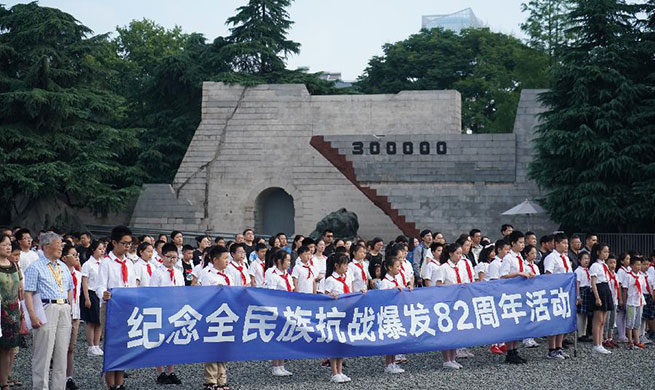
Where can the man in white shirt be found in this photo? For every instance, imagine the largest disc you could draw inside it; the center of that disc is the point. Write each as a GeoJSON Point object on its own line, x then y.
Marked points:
{"type": "Point", "coordinates": [476, 248]}
{"type": "Point", "coordinates": [557, 262]}
{"type": "Point", "coordinates": [27, 255]}
{"type": "Point", "coordinates": [116, 271]}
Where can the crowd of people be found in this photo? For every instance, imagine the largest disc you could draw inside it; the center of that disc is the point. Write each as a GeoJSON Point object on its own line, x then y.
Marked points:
{"type": "Point", "coordinates": [66, 279]}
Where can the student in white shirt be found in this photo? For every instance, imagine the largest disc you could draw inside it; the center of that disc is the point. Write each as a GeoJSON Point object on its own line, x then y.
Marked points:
{"type": "Point", "coordinates": [450, 274]}
{"type": "Point", "coordinates": [557, 262]}
{"type": "Point", "coordinates": [390, 274]}
{"type": "Point", "coordinates": [514, 266]}
{"type": "Point", "coordinates": [633, 289]}
{"type": "Point", "coordinates": [145, 267]}
{"type": "Point", "coordinates": [530, 255]}
{"type": "Point", "coordinates": [501, 248]}
{"type": "Point", "coordinates": [116, 271]}
{"type": "Point", "coordinates": [357, 269]}
{"type": "Point", "coordinates": [304, 275]}
{"type": "Point", "coordinates": [406, 269]}
{"type": "Point", "coordinates": [432, 267]}
{"type": "Point", "coordinates": [584, 301]}
{"type": "Point", "coordinates": [320, 264]}
{"type": "Point", "coordinates": [485, 257]}
{"type": "Point", "coordinates": [214, 275]}
{"type": "Point", "coordinates": [89, 302]}
{"type": "Point", "coordinates": [71, 258]}
{"type": "Point", "coordinates": [27, 255]}
{"type": "Point", "coordinates": [601, 292]}
{"type": "Point", "coordinates": [621, 277]}
{"type": "Point", "coordinates": [168, 276]}
{"type": "Point", "coordinates": [338, 282]}
{"type": "Point", "coordinates": [279, 279]}
{"type": "Point", "coordinates": [257, 267]}
{"type": "Point", "coordinates": [616, 296]}
{"type": "Point", "coordinates": [238, 269]}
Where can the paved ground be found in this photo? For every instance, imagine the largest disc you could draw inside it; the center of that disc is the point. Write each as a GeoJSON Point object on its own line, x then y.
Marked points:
{"type": "Point", "coordinates": [624, 370]}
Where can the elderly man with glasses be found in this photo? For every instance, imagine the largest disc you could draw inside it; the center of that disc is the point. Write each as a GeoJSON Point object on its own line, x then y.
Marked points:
{"type": "Point", "coordinates": [50, 278]}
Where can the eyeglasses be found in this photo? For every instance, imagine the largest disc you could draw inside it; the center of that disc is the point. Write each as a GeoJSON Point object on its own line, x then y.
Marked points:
{"type": "Point", "coordinates": [171, 257]}
{"type": "Point", "coordinates": [125, 243]}
{"type": "Point", "coordinates": [77, 255]}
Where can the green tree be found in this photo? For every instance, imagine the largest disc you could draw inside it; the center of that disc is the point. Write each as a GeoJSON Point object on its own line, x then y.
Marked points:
{"type": "Point", "coordinates": [592, 146]}
{"type": "Point", "coordinates": [488, 69]}
{"type": "Point", "coordinates": [546, 25]}
{"type": "Point", "coordinates": [258, 37]}
{"type": "Point", "coordinates": [58, 140]}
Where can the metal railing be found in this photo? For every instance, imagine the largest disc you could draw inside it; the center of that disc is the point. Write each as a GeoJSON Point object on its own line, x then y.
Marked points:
{"type": "Point", "coordinates": [624, 242]}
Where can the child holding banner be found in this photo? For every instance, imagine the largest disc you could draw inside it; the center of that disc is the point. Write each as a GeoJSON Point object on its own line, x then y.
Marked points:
{"type": "Point", "coordinates": [514, 266]}
{"type": "Point", "coordinates": [339, 282]}
{"type": "Point", "coordinates": [168, 276]}
{"type": "Point", "coordinates": [390, 281]}
{"type": "Point", "coordinates": [557, 262]}
{"type": "Point", "coordinates": [450, 274]}
{"type": "Point", "coordinates": [279, 279]}
{"type": "Point", "coordinates": [214, 275]}
{"type": "Point", "coordinates": [304, 275]}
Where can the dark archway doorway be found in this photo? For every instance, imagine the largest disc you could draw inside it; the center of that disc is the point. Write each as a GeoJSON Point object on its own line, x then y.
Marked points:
{"type": "Point", "coordinates": [274, 212]}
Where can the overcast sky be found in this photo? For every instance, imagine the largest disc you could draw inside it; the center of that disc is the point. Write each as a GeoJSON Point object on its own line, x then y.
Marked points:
{"type": "Point", "coordinates": [336, 35]}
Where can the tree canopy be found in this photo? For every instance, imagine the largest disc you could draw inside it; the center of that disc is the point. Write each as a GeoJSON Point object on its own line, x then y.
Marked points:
{"type": "Point", "coordinates": [58, 139]}
{"type": "Point", "coordinates": [488, 69]}
{"type": "Point", "coordinates": [595, 151]}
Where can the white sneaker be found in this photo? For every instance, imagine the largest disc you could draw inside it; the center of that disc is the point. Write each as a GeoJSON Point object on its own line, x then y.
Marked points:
{"type": "Point", "coordinates": [91, 352]}
{"type": "Point", "coordinates": [98, 350]}
{"type": "Point", "coordinates": [600, 349]}
{"type": "Point", "coordinates": [460, 366]}
{"type": "Point", "coordinates": [451, 365]}
{"type": "Point", "coordinates": [393, 369]}
{"type": "Point", "coordinates": [285, 371]}
{"type": "Point", "coordinates": [336, 379]}
{"type": "Point", "coordinates": [344, 377]}
{"type": "Point", "coordinates": [400, 359]}
{"type": "Point", "coordinates": [530, 343]}
{"type": "Point", "coordinates": [645, 340]}
{"type": "Point", "coordinates": [277, 371]}
{"type": "Point", "coordinates": [462, 353]}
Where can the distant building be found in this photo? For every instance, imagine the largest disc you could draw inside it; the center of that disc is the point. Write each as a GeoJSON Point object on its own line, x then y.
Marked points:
{"type": "Point", "coordinates": [336, 77]}
{"type": "Point", "coordinates": [455, 21]}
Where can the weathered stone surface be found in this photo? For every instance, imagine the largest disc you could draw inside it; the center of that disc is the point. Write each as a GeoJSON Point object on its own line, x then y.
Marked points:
{"type": "Point", "coordinates": [342, 222]}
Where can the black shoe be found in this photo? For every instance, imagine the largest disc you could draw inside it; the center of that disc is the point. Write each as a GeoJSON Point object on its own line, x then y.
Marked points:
{"type": "Point", "coordinates": [121, 387]}
{"type": "Point", "coordinates": [163, 379]}
{"type": "Point", "coordinates": [70, 385]}
{"type": "Point", "coordinates": [125, 375]}
{"type": "Point", "coordinates": [521, 359]}
{"type": "Point", "coordinates": [210, 386]}
{"type": "Point", "coordinates": [512, 357]}
{"type": "Point", "coordinates": [584, 339]}
{"type": "Point", "coordinates": [173, 379]}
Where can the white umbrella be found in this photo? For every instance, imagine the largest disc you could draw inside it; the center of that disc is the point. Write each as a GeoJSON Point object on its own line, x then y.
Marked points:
{"type": "Point", "coordinates": [527, 207]}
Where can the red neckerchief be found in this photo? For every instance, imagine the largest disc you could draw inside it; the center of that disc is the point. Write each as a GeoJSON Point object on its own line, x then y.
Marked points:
{"type": "Point", "coordinates": [361, 267]}
{"type": "Point", "coordinates": [309, 271]}
{"type": "Point", "coordinates": [227, 279]}
{"type": "Point", "coordinates": [240, 269]}
{"type": "Point", "coordinates": [532, 268]}
{"type": "Point", "coordinates": [520, 259]}
{"type": "Point", "coordinates": [74, 286]}
{"type": "Point", "coordinates": [123, 270]}
{"type": "Point", "coordinates": [638, 285]}
{"type": "Point", "coordinates": [342, 279]}
{"type": "Point", "coordinates": [566, 263]}
{"type": "Point", "coordinates": [395, 282]}
{"type": "Point", "coordinates": [456, 268]}
{"type": "Point", "coordinates": [468, 269]}
{"type": "Point", "coordinates": [171, 274]}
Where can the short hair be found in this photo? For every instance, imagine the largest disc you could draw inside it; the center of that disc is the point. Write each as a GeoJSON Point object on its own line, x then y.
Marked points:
{"type": "Point", "coordinates": [530, 233]}
{"type": "Point", "coordinates": [574, 236]}
{"type": "Point", "coordinates": [589, 235]}
{"type": "Point", "coordinates": [505, 227]}
{"type": "Point", "coordinates": [85, 233]}
{"type": "Point", "coordinates": [515, 236]}
{"type": "Point", "coordinates": [169, 247]}
{"type": "Point", "coordinates": [545, 239]}
{"type": "Point", "coordinates": [20, 233]}
{"type": "Point", "coordinates": [248, 230]}
{"type": "Point", "coordinates": [216, 251]}
{"type": "Point", "coordinates": [187, 247]}
{"type": "Point", "coordinates": [634, 259]}
{"type": "Point", "coordinates": [474, 231]}
{"type": "Point", "coordinates": [142, 246]}
{"type": "Point", "coordinates": [119, 232]}
{"type": "Point", "coordinates": [559, 237]}
{"type": "Point", "coordinates": [302, 249]}
{"type": "Point", "coordinates": [175, 233]}
{"type": "Point", "coordinates": [48, 238]}
{"type": "Point", "coordinates": [259, 247]}
{"type": "Point", "coordinates": [326, 231]}
{"type": "Point", "coordinates": [435, 245]}
{"type": "Point", "coordinates": [159, 242]}
{"type": "Point", "coordinates": [235, 246]}
{"type": "Point", "coordinates": [201, 237]}
{"type": "Point", "coordinates": [500, 244]}
{"type": "Point", "coordinates": [424, 232]}
{"type": "Point", "coordinates": [218, 238]}
{"type": "Point", "coordinates": [402, 238]}
{"type": "Point", "coordinates": [308, 241]}
{"type": "Point", "coordinates": [281, 234]}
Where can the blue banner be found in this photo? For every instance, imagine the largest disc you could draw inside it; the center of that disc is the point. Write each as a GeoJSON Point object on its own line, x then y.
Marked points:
{"type": "Point", "coordinates": [157, 326]}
